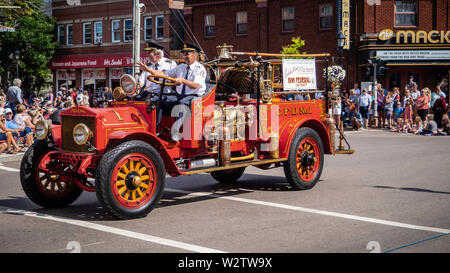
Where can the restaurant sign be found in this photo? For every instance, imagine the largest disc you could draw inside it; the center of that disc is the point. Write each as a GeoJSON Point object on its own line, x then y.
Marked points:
{"type": "Point", "coordinates": [416, 37]}
{"type": "Point", "coordinates": [94, 61]}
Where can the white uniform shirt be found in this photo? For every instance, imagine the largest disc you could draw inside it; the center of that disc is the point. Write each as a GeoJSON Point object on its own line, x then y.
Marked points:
{"type": "Point", "coordinates": [197, 74]}
{"type": "Point", "coordinates": [163, 65]}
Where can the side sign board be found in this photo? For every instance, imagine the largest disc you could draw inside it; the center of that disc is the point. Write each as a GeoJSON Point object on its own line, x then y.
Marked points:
{"type": "Point", "coordinates": [299, 74]}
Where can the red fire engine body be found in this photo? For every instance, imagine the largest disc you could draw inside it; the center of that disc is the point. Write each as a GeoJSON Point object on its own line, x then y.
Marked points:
{"type": "Point", "coordinates": [119, 152]}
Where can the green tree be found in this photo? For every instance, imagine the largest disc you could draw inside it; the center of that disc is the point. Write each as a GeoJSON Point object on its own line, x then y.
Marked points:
{"type": "Point", "coordinates": [34, 38]}
{"type": "Point", "coordinates": [294, 48]}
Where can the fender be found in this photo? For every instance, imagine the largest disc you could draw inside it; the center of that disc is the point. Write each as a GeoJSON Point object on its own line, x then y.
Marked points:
{"type": "Point", "coordinates": [117, 137]}
{"type": "Point", "coordinates": [288, 130]}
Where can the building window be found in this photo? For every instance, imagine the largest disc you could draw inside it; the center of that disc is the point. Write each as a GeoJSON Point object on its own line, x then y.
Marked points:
{"type": "Point", "coordinates": [148, 28]}
{"type": "Point", "coordinates": [87, 33]}
{"type": "Point", "coordinates": [98, 32]}
{"type": "Point", "coordinates": [60, 35]}
{"type": "Point", "coordinates": [159, 27]}
{"type": "Point", "coordinates": [69, 35]}
{"type": "Point", "coordinates": [406, 13]}
{"type": "Point", "coordinates": [210, 25]}
{"type": "Point", "coordinates": [127, 30]}
{"type": "Point", "coordinates": [287, 19]}
{"type": "Point", "coordinates": [115, 31]}
{"type": "Point", "coordinates": [326, 16]}
{"type": "Point", "coordinates": [241, 23]}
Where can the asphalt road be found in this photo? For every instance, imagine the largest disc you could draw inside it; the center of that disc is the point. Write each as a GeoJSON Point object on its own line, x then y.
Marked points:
{"type": "Point", "coordinates": [391, 195]}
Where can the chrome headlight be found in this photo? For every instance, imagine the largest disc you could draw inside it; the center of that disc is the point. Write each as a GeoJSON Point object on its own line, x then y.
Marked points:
{"type": "Point", "coordinates": [81, 134]}
{"type": "Point", "coordinates": [41, 129]}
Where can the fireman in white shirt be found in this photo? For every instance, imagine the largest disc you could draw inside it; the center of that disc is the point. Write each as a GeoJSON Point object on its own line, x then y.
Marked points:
{"type": "Point", "coordinates": [190, 79]}
{"type": "Point", "coordinates": [157, 62]}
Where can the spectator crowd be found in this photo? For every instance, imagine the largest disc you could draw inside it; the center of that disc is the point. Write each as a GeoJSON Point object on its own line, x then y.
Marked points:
{"type": "Point", "coordinates": [424, 111]}
{"type": "Point", "coordinates": [19, 115]}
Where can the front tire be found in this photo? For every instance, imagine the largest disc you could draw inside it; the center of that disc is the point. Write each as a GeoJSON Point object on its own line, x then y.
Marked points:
{"type": "Point", "coordinates": [305, 160]}
{"type": "Point", "coordinates": [130, 179]}
{"type": "Point", "coordinates": [44, 188]}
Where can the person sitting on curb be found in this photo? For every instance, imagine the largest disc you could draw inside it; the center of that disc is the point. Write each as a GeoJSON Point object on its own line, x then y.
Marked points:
{"type": "Point", "coordinates": [6, 134]}
{"type": "Point", "coordinates": [431, 128]}
{"type": "Point", "coordinates": [25, 132]}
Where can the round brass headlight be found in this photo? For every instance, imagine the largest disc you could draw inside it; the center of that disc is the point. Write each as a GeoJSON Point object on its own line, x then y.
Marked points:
{"type": "Point", "coordinates": [81, 134]}
{"type": "Point", "coordinates": [41, 129]}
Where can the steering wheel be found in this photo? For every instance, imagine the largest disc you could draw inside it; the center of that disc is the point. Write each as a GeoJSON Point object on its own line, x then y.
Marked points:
{"type": "Point", "coordinates": [170, 83]}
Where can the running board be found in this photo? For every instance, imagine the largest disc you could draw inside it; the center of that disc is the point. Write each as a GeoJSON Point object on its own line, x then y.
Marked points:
{"type": "Point", "coordinates": [234, 166]}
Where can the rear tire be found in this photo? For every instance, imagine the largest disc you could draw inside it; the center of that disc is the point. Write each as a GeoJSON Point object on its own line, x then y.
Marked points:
{"type": "Point", "coordinates": [130, 179]}
{"type": "Point", "coordinates": [305, 161]}
{"type": "Point", "coordinates": [228, 176]}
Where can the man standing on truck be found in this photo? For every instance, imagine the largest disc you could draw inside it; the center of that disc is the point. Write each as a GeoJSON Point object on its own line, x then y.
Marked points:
{"type": "Point", "coordinates": [190, 82]}
{"type": "Point", "coordinates": [157, 62]}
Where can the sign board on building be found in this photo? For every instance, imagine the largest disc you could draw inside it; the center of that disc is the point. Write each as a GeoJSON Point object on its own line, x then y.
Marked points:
{"type": "Point", "coordinates": [299, 74]}
{"type": "Point", "coordinates": [407, 55]}
{"type": "Point", "coordinates": [6, 29]}
{"type": "Point", "coordinates": [346, 23]}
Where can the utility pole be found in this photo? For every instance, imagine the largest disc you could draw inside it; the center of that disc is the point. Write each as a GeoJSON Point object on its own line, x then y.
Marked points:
{"type": "Point", "coordinates": [136, 38]}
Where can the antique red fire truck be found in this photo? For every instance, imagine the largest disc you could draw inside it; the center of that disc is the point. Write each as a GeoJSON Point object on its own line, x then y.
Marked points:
{"type": "Point", "coordinates": [244, 119]}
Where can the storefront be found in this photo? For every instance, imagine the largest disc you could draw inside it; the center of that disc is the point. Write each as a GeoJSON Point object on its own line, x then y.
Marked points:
{"type": "Point", "coordinates": [423, 55]}
{"type": "Point", "coordinates": [92, 71]}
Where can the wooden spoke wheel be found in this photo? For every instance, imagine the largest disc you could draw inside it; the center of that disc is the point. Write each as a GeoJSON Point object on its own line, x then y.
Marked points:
{"type": "Point", "coordinates": [43, 187]}
{"type": "Point", "coordinates": [130, 179]}
{"type": "Point", "coordinates": [305, 160]}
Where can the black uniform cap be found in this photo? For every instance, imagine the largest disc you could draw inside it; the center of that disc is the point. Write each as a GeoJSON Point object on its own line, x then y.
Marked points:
{"type": "Point", "coordinates": [188, 47]}
{"type": "Point", "coordinates": [152, 46]}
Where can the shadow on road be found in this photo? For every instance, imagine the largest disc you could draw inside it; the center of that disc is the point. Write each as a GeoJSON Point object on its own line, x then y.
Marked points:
{"type": "Point", "coordinates": [89, 209]}
{"type": "Point", "coordinates": [410, 189]}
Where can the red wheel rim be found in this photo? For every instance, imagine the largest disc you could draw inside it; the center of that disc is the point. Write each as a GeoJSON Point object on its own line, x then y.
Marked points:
{"type": "Point", "coordinates": [134, 181]}
{"type": "Point", "coordinates": [308, 159]}
{"type": "Point", "coordinates": [50, 184]}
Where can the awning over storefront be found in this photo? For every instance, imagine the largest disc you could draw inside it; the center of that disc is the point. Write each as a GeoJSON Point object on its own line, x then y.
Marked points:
{"type": "Point", "coordinates": [94, 61]}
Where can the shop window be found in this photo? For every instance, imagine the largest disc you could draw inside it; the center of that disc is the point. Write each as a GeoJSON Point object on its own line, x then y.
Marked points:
{"type": "Point", "coordinates": [115, 29]}
{"type": "Point", "coordinates": [127, 30]}
{"type": "Point", "coordinates": [148, 28]}
{"type": "Point", "coordinates": [287, 19]}
{"type": "Point", "coordinates": [98, 32]}
{"type": "Point", "coordinates": [87, 33]}
{"type": "Point", "coordinates": [69, 35]}
{"type": "Point", "coordinates": [61, 35]}
{"type": "Point", "coordinates": [210, 25]}
{"type": "Point", "coordinates": [405, 13]}
{"type": "Point", "coordinates": [241, 23]}
{"type": "Point", "coordinates": [326, 16]}
{"type": "Point", "coordinates": [159, 27]}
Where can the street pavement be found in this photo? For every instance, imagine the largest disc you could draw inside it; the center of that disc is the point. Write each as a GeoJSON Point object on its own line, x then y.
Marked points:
{"type": "Point", "coordinates": [392, 195]}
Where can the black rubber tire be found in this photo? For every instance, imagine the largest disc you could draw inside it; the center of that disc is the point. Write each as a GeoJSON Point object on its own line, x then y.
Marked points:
{"type": "Point", "coordinates": [228, 176]}
{"type": "Point", "coordinates": [105, 170]}
{"type": "Point", "coordinates": [29, 184]}
{"type": "Point", "coordinates": [290, 166]}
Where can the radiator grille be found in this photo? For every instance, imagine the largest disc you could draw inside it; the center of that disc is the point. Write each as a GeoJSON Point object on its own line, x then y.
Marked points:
{"type": "Point", "coordinates": [68, 123]}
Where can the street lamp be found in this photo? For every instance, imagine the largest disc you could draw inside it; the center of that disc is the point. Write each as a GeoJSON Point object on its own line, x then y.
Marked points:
{"type": "Point", "coordinates": [340, 38]}
{"type": "Point", "coordinates": [17, 56]}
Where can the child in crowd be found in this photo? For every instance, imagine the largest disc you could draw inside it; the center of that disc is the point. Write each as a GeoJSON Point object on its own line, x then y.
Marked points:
{"type": "Point", "coordinates": [408, 111]}
{"type": "Point", "coordinates": [398, 111]}
{"type": "Point", "coordinates": [418, 126]}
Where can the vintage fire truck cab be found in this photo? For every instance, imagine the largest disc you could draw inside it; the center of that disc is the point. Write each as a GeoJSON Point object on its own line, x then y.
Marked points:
{"type": "Point", "coordinates": [124, 151]}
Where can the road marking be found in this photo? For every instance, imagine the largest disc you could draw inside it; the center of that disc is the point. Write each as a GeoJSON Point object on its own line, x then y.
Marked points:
{"type": "Point", "coordinates": [8, 169]}
{"type": "Point", "coordinates": [314, 211]}
{"type": "Point", "coordinates": [117, 231]}
{"type": "Point", "coordinates": [302, 209]}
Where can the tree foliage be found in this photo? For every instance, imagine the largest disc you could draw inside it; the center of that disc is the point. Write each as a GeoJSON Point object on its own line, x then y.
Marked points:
{"type": "Point", "coordinates": [294, 48]}
{"type": "Point", "coordinates": [34, 38]}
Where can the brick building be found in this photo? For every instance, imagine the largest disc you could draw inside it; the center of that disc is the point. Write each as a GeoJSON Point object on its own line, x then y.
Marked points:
{"type": "Point", "coordinates": [267, 25]}
{"type": "Point", "coordinates": [95, 39]}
